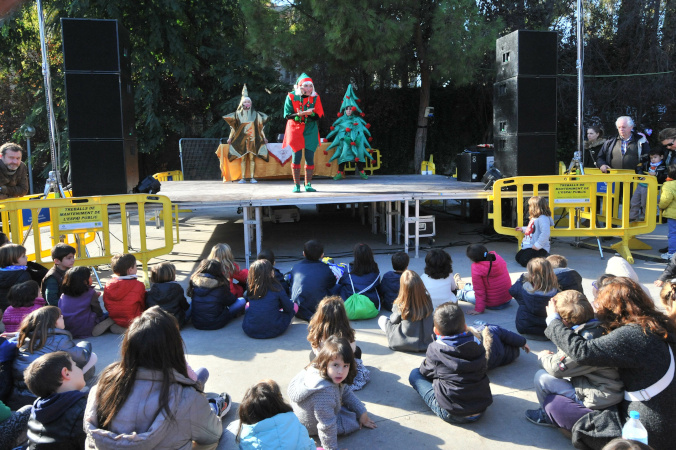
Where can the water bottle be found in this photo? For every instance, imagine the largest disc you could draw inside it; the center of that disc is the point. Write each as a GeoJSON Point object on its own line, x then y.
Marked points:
{"type": "Point", "coordinates": [634, 429]}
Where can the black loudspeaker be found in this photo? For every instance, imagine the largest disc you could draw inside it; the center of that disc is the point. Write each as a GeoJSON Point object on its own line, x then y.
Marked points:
{"type": "Point", "coordinates": [525, 105]}
{"type": "Point", "coordinates": [100, 107]}
{"type": "Point", "coordinates": [526, 154]}
{"type": "Point", "coordinates": [472, 165]}
{"type": "Point", "coordinates": [527, 53]}
{"type": "Point", "coordinates": [100, 167]}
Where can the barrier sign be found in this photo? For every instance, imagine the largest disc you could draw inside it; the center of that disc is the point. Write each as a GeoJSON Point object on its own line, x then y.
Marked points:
{"type": "Point", "coordinates": [80, 217]}
{"type": "Point", "coordinates": [571, 194]}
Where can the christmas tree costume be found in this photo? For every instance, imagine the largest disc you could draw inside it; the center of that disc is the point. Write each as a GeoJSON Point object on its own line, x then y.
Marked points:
{"type": "Point", "coordinates": [247, 139]}
{"type": "Point", "coordinates": [351, 136]}
{"type": "Point", "coordinates": [302, 110]}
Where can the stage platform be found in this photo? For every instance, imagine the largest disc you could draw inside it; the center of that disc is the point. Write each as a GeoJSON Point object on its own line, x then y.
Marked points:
{"type": "Point", "coordinates": [389, 196]}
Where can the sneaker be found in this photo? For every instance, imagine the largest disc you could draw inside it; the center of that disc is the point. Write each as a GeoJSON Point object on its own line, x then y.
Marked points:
{"type": "Point", "coordinates": [222, 403]}
{"type": "Point", "coordinates": [241, 181]}
{"type": "Point", "coordinates": [539, 417]}
{"type": "Point", "coordinates": [254, 181]}
{"type": "Point", "coordinates": [667, 256]}
{"type": "Point", "coordinates": [664, 250]}
{"type": "Point", "coordinates": [309, 188]}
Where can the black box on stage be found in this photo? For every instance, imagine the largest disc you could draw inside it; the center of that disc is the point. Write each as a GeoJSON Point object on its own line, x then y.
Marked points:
{"type": "Point", "coordinates": [473, 165]}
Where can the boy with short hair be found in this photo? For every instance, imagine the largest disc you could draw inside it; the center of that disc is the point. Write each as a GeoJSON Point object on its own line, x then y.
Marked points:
{"type": "Point", "coordinates": [567, 277]}
{"type": "Point", "coordinates": [654, 167]}
{"type": "Point", "coordinates": [56, 416]}
{"type": "Point", "coordinates": [63, 256]}
{"type": "Point", "coordinates": [266, 253]}
{"type": "Point", "coordinates": [591, 387]}
{"type": "Point", "coordinates": [124, 296]}
{"type": "Point", "coordinates": [452, 379]}
{"type": "Point", "coordinates": [389, 285]}
{"type": "Point", "coordinates": [311, 280]}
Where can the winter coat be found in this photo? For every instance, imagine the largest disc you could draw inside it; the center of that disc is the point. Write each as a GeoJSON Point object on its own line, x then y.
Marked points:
{"type": "Point", "coordinates": [441, 290]}
{"type": "Point", "coordinates": [491, 289]}
{"type": "Point", "coordinates": [15, 183]}
{"type": "Point", "coordinates": [9, 276]}
{"type": "Point", "coordinates": [279, 276]}
{"type": "Point", "coordinates": [642, 358]}
{"type": "Point", "coordinates": [389, 289]}
{"type": "Point", "coordinates": [124, 299]}
{"type": "Point", "coordinates": [57, 419]}
{"type": "Point", "coordinates": [281, 432]}
{"type": "Point", "coordinates": [541, 233]}
{"type": "Point", "coordinates": [502, 346]}
{"type": "Point", "coordinates": [661, 171]}
{"type": "Point", "coordinates": [667, 197]}
{"type": "Point", "coordinates": [13, 316]}
{"type": "Point", "coordinates": [344, 288]}
{"type": "Point", "coordinates": [531, 315]}
{"type": "Point", "coordinates": [137, 424]}
{"type": "Point", "coordinates": [240, 275]}
{"type": "Point", "coordinates": [597, 387]}
{"type": "Point", "coordinates": [457, 367]}
{"type": "Point", "coordinates": [317, 403]}
{"type": "Point", "coordinates": [568, 279]}
{"type": "Point", "coordinates": [605, 156]}
{"type": "Point", "coordinates": [170, 297]}
{"type": "Point", "coordinates": [211, 301]}
{"type": "Point", "coordinates": [57, 340]}
{"type": "Point", "coordinates": [82, 313]}
{"type": "Point", "coordinates": [311, 281]}
{"type": "Point", "coordinates": [51, 285]}
{"type": "Point", "coordinates": [263, 319]}
{"type": "Point", "coordinates": [407, 336]}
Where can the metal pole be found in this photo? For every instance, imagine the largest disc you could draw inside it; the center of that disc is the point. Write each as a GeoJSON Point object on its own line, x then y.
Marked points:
{"type": "Point", "coordinates": [30, 166]}
{"type": "Point", "coordinates": [580, 84]}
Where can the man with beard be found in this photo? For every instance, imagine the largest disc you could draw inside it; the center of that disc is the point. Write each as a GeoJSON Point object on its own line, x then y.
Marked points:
{"type": "Point", "coordinates": [13, 173]}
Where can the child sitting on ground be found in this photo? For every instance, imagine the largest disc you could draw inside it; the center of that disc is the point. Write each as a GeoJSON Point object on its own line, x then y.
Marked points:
{"type": "Point", "coordinates": [410, 328]}
{"type": "Point", "coordinates": [124, 295]}
{"type": "Point", "coordinates": [321, 399]}
{"type": "Point", "coordinates": [568, 278]}
{"type": "Point", "coordinates": [361, 277]}
{"type": "Point", "coordinates": [270, 256]}
{"type": "Point", "coordinates": [23, 300]}
{"type": "Point", "coordinates": [532, 291]}
{"type": "Point", "coordinates": [12, 270]}
{"type": "Point", "coordinates": [13, 426]}
{"type": "Point", "coordinates": [213, 305]}
{"type": "Point", "coordinates": [166, 293]}
{"type": "Point", "coordinates": [502, 346]}
{"type": "Point", "coordinates": [490, 281]}
{"type": "Point", "coordinates": [535, 243]}
{"type": "Point", "coordinates": [331, 320]}
{"type": "Point", "coordinates": [270, 311]}
{"type": "Point", "coordinates": [389, 285]}
{"type": "Point", "coordinates": [63, 256]}
{"type": "Point", "coordinates": [311, 280]}
{"type": "Point", "coordinates": [267, 421]}
{"type": "Point", "coordinates": [236, 276]}
{"type": "Point", "coordinates": [7, 353]}
{"type": "Point", "coordinates": [437, 278]}
{"type": "Point", "coordinates": [454, 370]}
{"type": "Point", "coordinates": [56, 417]}
{"type": "Point", "coordinates": [79, 303]}
{"type": "Point", "coordinates": [654, 167]}
{"type": "Point", "coordinates": [592, 387]}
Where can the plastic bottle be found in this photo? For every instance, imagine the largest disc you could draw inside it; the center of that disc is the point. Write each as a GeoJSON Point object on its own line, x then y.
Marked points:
{"type": "Point", "coordinates": [634, 429]}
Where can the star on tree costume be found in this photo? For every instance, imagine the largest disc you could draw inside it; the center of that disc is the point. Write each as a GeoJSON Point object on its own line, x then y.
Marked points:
{"type": "Point", "coordinates": [302, 110]}
{"type": "Point", "coordinates": [247, 139]}
{"type": "Point", "coordinates": [351, 136]}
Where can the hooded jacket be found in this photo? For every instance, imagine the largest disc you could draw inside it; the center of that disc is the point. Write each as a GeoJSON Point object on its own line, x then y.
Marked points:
{"type": "Point", "coordinates": [317, 403]}
{"type": "Point", "coordinates": [568, 279]}
{"type": "Point", "coordinates": [263, 318]}
{"type": "Point", "coordinates": [82, 313]}
{"type": "Point", "coordinates": [531, 315]}
{"type": "Point", "coordinates": [211, 300]}
{"type": "Point", "coordinates": [311, 281]}
{"type": "Point", "coordinates": [56, 422]}
{"type": "Point", "coordinates": [138, 425]}
{"type": "Point", "coordinates": [491, 289]}
{"type": "Point", "coordinates": [124, 299]}
{"type": "Point", "coordinates": [457, 367]}
{"type": "Point", "coordinates": [408, 336]}
{"type": "Point", "coordinates": [170, 297]}
{"type": "Point", "coordinates": [281, 432]}
{"type": "Point", "coordinates": [389, 289]}
{"type": "Point", "coordinates": [668, 200]}
{"type": "Point", "coordinates": [9, 276]}
{"type": "Point", "coordinates": [502, 346]}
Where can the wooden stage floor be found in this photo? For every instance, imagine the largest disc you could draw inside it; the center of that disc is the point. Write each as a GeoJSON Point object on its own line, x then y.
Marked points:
{"type": "Point", "coordinates": [351, 190]}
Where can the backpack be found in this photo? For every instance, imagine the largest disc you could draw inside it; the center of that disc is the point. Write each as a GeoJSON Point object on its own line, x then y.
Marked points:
{"type": "Point", "coordinates": [359, 306]}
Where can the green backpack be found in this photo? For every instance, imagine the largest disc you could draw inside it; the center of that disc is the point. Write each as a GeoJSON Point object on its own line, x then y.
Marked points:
{"type": "Point", "coordinates": [359, 306]}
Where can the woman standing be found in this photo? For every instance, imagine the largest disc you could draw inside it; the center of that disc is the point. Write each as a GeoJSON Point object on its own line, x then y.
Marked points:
{"type": "Point", "coordinates": [593, 145]}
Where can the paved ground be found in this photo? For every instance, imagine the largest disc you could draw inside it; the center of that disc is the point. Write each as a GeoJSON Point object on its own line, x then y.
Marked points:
{"type": "Point", "coordinates": [236, 361]}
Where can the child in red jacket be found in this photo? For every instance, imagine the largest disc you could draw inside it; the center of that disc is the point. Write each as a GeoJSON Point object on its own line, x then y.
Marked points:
{"type": "Point", "coordinates": [236, 276]}
{"type": "Point", "coordinates": [124, 296]}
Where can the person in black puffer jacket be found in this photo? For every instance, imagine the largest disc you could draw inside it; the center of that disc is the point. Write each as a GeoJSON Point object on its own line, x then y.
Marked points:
{"type": "Point", "coordinates": [213, 305]}
{"type": "Point", "coordinates": [166, 293]}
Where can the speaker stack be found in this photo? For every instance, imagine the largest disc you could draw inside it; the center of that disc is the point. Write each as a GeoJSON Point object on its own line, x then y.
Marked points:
{"type": "Point", "coordinates": [100, 107]}
{"type": "Point", "coordinates": [524, 103]}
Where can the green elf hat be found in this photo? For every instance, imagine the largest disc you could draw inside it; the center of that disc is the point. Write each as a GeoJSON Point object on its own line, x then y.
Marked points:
{"type": "Point", "coordinates": [350, 100]}
{"type": "Point", "coordinates": [303, 78]}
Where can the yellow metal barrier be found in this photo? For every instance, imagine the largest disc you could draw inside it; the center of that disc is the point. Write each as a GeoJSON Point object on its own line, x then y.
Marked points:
{"type": "Point", "coordinates": [174, 175]}
{"type": "Point", "coordinates": [576, 196]}
{"type": "Point", "coordinates": [73, 219]}
{"type": "Point", "coordinates": [370, 166]}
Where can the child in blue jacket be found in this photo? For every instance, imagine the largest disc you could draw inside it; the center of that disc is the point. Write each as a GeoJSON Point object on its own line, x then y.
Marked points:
{"type": "Point", "coordinates": [311, 280]}
{"type": "Point", "coordinates": [389, 285]}
{"type": "Point", "coordinates": [361, 277]}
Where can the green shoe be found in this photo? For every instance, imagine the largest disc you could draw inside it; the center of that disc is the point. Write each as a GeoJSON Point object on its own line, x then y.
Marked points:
{"type": "Point", "coordinates": [363, 175]}
{"type": "Point", "coordinates": [296, 188]}
{"type": "Point", "coordinates": [309, 188]}
{"type": "Point", "coordinates": [339, 176]}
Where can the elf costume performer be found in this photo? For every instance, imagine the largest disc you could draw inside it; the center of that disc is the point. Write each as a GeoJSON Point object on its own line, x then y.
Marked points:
{"type": "Point", "coordinates": [352, 136]}
{"type": "Point", "coordinates": [247, 139]}
{"type": "Point", "coordinates": [302, 110]}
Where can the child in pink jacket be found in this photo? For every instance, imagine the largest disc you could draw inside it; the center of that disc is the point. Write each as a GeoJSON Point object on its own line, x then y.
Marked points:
{"type": "Point", "coordinates": [490, 281]}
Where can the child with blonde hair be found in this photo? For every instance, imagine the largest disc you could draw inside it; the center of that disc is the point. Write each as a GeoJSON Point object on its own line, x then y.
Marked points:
{"type": "Point", "coordinates": [532, 291]}
{"type": "Point", "coordinates": [213, 305]}
{"type": "Point", "coordinates": [236, 276]}
{"type": "Point", "coordinates": [410, 327]}
{"type": "Point", "coordinates": [535, 243]}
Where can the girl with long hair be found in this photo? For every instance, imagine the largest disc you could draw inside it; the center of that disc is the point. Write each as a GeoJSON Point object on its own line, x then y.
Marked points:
{"type": "Point", "coordinates": [532, 291]}
{"type": "Point", "coordinates": [236, 276]}
{"type": "Point", "coordinates": [361, 277]}
{"type": "Point", "coordinates": [535, 242]}
{"type": "Point", "coordinates": [213, 305]}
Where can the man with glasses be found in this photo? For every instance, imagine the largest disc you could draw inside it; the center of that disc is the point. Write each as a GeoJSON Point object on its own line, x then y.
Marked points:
{"type": "Point", "coordinates": [626, 150]}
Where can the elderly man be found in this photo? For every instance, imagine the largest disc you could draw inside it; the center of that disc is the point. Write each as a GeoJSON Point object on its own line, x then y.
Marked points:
{"type": "Point", "coordinates": [13, 173]}
{"type": "Point", "coordinates": [624, 151]}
